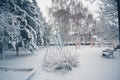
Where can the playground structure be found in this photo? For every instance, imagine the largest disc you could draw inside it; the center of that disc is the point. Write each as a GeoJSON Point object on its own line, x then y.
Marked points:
{"type": "Point", "coordinates": [57, 41]}
{"type": "Point", "coordinates": [57, 45]}
{"type": "Point", "coordinates": [59, 56]}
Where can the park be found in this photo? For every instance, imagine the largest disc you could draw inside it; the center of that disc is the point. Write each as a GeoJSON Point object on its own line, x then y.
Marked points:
{"type": "Point", "coordinates": [59, 39]}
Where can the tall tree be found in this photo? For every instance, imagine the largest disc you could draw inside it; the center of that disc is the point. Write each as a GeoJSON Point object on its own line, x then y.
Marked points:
{"type": "Point", "coordinates": [118, 7]}
{"type": "Point", "coordinates": [17, 14]}
{"type": "Point", "coordinates": [70, 16]}
{"type": "Point", "coordinates": [109, 20]}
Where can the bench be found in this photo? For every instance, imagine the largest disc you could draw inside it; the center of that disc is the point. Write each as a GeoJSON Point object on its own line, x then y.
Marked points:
{"type": "Point", "coordinates": [108, 53]}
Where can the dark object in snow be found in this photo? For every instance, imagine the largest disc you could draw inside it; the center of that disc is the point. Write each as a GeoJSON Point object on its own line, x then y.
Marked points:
{"type": "Point", "coordinates": [20, 44]}
{"type": "Point", "coordinates": [108, 53]}
{"type": "Point", "coordinates": [17, 49]}
{"type": "Point", "coordinates": [118, 47]}
{"type": "Point", "coordinates": [24, 33]}
{"type": "Point", "coordinates": [31, 50]}
{"type": "Point", "coordinates": [9, 45]}
{"type": "Point", "coordinates": [63, 67]}
{"type": "Point", "coordinates": [1, 49]}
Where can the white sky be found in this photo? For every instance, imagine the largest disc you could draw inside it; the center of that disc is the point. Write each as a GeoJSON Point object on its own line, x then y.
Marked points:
{"type": "Point", "coordinates": [93, 7]}
{"type": "Point", "coordinates": [43, 4]}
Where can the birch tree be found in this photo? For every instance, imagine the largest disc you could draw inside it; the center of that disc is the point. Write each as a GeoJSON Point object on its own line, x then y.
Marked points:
{"type": "Point", "coordinates": [70, 16]}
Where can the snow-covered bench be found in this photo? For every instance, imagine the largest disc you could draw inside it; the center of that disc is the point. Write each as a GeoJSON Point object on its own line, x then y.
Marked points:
{"type": "Point", "coordinates": [108, 53]}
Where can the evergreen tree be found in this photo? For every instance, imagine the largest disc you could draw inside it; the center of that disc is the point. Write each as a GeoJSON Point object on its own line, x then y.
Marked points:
{"type": "Point", "coordinates": [23, 14]}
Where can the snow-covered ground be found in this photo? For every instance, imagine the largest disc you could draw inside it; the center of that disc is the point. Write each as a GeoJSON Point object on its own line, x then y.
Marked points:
{"type": "Point", "coordinates": [92, 65]}
{"type": "Point", "coordinates": [25, 60]}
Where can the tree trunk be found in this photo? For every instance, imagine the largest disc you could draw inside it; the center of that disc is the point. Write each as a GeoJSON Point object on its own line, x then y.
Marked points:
{"type": "Point", "coordinates": [118, 7]}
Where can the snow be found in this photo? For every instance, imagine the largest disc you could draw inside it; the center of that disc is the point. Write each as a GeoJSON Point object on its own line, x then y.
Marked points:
{"type": "Point", "coordinates": [12, 75]}
{"type": "Point", "coordinates": [92, 65]}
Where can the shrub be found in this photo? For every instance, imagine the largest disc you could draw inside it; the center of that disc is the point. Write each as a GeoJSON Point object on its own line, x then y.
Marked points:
{"type": "Point", "coordinates": [63, 61]}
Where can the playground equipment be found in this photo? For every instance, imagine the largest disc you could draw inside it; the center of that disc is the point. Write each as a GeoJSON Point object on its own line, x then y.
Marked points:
{"type": "Point", "coordinates": [57, 41]}
{"type": "Point", "coordinates": [59, 56]}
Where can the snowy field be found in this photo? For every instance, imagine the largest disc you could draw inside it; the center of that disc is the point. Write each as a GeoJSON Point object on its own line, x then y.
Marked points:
{"type": "Point", "coordinates": [92, 65]}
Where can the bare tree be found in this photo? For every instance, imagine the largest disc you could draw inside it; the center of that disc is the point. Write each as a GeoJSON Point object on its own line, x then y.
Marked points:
{"type": "Point", "coordinates": [108, 24]}
{"type": "Point", "coordinates": [70, 16]}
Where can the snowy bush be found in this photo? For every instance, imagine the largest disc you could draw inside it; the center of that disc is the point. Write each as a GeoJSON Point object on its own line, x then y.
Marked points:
{"type": "Point", "coordinates": [63, 61]}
